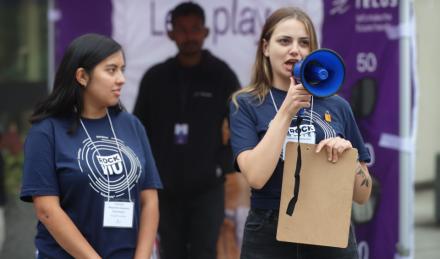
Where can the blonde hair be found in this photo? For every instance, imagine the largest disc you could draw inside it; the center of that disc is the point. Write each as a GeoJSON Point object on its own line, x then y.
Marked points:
{"type": "Point", "coordinates": [261, 79]}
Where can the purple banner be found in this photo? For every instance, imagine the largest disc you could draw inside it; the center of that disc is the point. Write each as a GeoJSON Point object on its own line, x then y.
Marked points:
{"type": "Point", "coordinates": [364, 33]}
{"type": "Point", "coordinates": [80, 17]}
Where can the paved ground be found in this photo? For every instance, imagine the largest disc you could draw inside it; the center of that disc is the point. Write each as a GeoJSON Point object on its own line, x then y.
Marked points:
{"type": "Point", "coordinates": [427, 232]}
{"type": "Point", "coordinates": [20, 231]}
{"type": "Point", "coordinates": [20, 221]}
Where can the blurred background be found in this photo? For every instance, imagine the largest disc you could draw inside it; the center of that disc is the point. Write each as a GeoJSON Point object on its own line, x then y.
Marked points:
{"type": "Point", "coordinates": [33, 36]}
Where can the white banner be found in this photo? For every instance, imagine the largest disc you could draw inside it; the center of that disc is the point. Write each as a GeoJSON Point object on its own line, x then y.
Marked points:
{"type": "Point", "coordinates": [141, 25]}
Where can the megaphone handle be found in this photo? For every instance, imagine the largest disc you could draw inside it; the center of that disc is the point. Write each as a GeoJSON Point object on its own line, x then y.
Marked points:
{"type": "Point", "coordinates": [295, 82]}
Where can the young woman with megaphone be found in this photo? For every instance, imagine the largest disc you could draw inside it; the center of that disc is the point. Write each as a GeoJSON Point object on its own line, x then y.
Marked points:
{"type": "Point", "coordinates": [260, 116]}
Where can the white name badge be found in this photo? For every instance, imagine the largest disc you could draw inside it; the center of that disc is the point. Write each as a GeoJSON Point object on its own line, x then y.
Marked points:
{"type": "Point", "coordinates": [118, 214]}
{"type": "Point", "coordinates": [306, 133]}
{"type": "Point", "coordinates": [181, 131]}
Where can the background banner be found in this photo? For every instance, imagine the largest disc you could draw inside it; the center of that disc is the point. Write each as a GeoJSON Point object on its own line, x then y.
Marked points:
{"type": "Point", "coordinates": [141, 26]}
{"type": "Point", "coordinates": [364, 32]}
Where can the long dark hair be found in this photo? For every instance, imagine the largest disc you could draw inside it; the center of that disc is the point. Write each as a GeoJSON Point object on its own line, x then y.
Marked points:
{"type": "Point", "coordinates": [66, 99]}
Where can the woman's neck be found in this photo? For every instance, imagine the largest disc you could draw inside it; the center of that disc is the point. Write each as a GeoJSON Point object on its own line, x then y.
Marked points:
{"type": "Point", "coordinates": [93, 112]}
{"type": "Point", "coordinates": [281, 84]}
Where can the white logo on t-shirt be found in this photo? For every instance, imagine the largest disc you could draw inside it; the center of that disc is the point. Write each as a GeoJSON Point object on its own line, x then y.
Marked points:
{"type": "Point", "coordinates": [102, 162]}
{"type": "Point", "coordinates": [111, 164]}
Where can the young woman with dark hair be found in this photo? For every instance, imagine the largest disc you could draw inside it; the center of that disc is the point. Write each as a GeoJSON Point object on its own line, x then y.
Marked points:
{"type": "Point", "coordinates": [88, 165]}
{"type": "Point", "coordinates": [66, 99]}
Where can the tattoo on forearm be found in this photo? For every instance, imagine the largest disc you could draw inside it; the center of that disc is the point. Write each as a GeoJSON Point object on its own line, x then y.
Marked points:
{"type": "Point", "coordinates": [366, 181]}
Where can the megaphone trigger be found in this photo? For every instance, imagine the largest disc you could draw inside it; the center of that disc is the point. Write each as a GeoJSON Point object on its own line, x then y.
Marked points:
{"type": "Point", "coordinates": [322, 72]}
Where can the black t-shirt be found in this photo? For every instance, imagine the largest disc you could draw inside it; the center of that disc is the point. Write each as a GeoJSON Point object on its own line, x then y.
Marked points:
{"type": "Point", "coordinates": [195, 96]}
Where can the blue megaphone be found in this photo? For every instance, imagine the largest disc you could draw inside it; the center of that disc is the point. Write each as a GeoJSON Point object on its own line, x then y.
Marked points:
{"type": "Point", "coordinates": [322, 72]}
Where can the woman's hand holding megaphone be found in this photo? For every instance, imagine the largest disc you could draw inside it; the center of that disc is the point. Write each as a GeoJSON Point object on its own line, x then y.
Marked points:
{"type": "Point", "coordinates": [297, 98]}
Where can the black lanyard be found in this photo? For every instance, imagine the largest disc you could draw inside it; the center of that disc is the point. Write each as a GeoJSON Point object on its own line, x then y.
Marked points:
{"type": "Point", "coordinates": [292, 202]}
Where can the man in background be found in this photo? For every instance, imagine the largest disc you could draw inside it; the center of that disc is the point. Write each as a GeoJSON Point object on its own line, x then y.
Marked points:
{"type": "Point", "coordinates": [182, 103]}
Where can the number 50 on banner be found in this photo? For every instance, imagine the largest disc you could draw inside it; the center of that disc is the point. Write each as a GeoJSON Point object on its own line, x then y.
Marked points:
{"type": "Point", "coordinates": [366, 62]}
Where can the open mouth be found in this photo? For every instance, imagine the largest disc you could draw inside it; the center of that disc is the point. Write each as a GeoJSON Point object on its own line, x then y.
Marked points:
{"type": "Point", "coordinates": [289, 64]}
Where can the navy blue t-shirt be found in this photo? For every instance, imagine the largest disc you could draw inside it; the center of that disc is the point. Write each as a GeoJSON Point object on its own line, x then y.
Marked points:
{"type": "Point", "coordinates": [84, 173]}
{"type": "Point", "coordinates": [250, 122]}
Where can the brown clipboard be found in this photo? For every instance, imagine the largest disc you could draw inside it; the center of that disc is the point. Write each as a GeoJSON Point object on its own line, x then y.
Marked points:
{"type": "Point", "coordinates": [323, 209]}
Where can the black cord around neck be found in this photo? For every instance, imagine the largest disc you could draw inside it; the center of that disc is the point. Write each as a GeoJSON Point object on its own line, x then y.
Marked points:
{"type": "Point", "coordinates": [292, 202]}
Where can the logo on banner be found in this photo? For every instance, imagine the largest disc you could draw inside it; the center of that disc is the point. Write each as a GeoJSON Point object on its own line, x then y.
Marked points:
{"type": "Point", "coordinates": [242, 18]}
{"type": "Point", "coordinates": [342, 6]}
{"type": "Point", "coordinates": [339, 7]}
{"type": "Point", "coordinates": [375, 4]}
{"type": "Point", "coordinates": [102, 162]}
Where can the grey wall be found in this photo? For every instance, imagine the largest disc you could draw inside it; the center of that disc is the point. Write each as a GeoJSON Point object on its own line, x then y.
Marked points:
{"type": "Point", "coordinates": [428, 54]}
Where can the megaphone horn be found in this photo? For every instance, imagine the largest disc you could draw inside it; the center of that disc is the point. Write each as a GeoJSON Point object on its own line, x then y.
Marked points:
{"type": "Point", "coordinates": [322, 72]}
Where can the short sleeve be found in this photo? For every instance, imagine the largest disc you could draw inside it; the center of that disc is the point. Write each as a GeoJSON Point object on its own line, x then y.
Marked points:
{"type": "Point", "coordinates": [152, 179]}
{"type": "Point", "coordinates": [243, 128]}
{"type": "Point", "coordinates": [39, 173]}
{"type": "Point", "coordinates": [354, 135]}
